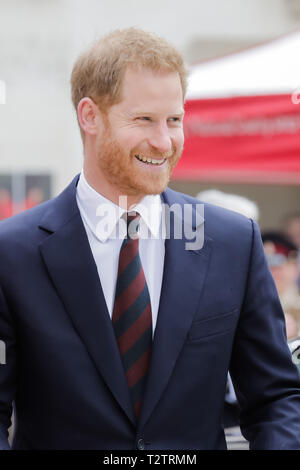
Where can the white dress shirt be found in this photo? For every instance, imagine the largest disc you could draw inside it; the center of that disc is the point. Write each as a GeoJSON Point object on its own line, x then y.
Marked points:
{"type": "Point", "coordinates": [106, 230]}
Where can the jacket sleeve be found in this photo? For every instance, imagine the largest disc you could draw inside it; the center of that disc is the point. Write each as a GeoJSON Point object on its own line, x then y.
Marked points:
{"type": "Point", "coordinates": [266, 382]}
{"type": "Point", "coordinates": [7, 371]}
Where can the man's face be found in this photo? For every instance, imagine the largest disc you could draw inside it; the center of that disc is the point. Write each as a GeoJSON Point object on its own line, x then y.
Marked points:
{"type": "Point", "coordinates": [146, 124]}
{"type": "Point", "coordinates": [283, 268]}
{"type": "Point", "coordinates": [293, 231]}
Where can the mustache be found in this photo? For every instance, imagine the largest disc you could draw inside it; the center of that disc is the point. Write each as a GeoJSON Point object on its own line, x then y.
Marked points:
{"type": "Point", "coordinates": [155, 154]}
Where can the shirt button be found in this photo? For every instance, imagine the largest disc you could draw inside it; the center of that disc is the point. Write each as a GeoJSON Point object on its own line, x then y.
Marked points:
{"type": "Point", "coordinates": [141, 444]}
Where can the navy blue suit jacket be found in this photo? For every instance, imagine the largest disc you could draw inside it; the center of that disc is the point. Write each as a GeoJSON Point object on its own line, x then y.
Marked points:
{"type": "Point", "coordinates": [218, 311]}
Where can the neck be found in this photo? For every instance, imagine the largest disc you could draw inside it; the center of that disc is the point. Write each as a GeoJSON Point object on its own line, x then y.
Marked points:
{"type": "Point", "coordinates": [113, 194]}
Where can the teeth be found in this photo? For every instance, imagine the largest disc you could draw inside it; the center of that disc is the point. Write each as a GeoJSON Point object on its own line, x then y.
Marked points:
{"type": "Point", "coordinates": [150, 160]}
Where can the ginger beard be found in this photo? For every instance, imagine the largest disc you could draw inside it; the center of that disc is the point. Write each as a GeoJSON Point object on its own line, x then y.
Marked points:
{"type": "Point", "coordinates": [122, 171]}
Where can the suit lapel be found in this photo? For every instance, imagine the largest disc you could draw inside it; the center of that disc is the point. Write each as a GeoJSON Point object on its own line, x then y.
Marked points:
{"type": "Point", "coordinates": [72, 269]}
{"type": "Point", "coordinates": [183, 279]}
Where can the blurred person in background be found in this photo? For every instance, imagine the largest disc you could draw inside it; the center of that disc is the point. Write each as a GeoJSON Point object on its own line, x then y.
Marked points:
{"type": "Point", "coordinates": [291, 228]}
{"type": "Point", "coordinates": [233, 202]}
{"type": "Point", "coordinates": [283, 262]}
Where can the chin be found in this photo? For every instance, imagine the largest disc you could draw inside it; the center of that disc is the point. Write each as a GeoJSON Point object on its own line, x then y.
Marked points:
{"type": "Point", "coordinates": [150, 185]}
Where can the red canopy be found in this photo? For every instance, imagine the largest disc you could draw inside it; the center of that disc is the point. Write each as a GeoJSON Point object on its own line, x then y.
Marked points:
{"type": "Point", "coordinates": [241, 139]}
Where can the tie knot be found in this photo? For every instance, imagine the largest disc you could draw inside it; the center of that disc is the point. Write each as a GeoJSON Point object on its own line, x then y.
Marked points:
{"type": "Point", "coordinates": [132, 219]}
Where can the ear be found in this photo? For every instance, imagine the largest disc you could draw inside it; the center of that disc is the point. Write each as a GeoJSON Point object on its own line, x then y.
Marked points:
{"type": "Point", "coordinates": [88, 116]}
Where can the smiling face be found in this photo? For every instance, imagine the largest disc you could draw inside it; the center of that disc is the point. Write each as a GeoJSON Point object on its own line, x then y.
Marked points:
{"type": "Point", "coordinates": [141, 138]}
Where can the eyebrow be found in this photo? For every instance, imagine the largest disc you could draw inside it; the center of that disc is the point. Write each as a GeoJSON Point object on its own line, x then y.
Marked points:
{"type": "Point", "coordinates": [148, 113]}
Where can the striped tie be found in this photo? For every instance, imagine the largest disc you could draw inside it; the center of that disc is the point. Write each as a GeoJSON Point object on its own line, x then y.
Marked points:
{"type": "Point", "coordinates": [132, 317]}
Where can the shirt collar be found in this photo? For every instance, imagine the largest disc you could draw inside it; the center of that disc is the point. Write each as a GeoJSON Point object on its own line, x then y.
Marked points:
{"type": "Point", "coordinates": [103, 216]}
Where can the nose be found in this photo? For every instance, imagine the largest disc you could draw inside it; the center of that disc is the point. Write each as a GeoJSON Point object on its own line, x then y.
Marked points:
{"type": "Point", "coordinates": [160, 139]}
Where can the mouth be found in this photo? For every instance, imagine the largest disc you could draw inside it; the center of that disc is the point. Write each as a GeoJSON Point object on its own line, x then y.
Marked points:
{"type": "Point", "coordinates": [151, 161]}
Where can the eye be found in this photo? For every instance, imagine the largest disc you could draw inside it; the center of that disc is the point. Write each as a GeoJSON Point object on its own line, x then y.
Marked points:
{"type": "Point", "coordinates": [175, 119]}
{"type": "Point", "coordinates": [144, 118]}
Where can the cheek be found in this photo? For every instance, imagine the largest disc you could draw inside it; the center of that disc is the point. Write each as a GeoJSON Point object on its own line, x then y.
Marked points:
{"type": "Point", "coordinates": [130, 138]}
{"type": "Point", "coordinates": [178, 138]}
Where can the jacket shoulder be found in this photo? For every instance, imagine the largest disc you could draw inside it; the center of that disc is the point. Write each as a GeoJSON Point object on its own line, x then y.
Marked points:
{"type": "Point", "coordinates": [58, 210]}
{"type": "Point", "coordinates": [25, 221]}
{"type": "Point", "coordinates": [217, 220]}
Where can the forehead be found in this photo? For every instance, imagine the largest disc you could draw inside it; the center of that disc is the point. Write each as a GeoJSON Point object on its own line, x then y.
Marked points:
{"type": "Point", "coordinates": [143, 86]}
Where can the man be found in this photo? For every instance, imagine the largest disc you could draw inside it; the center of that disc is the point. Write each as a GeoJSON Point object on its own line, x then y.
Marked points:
{"type": "Point", "coordinates": [291, 228]}
{"type": "Point", "coordinates": [116, 342]}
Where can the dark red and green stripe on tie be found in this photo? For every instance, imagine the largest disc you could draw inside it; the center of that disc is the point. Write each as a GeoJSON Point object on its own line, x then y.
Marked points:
{"type": "Point", "coordinates": [132, 316]}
